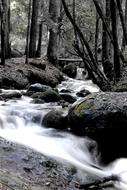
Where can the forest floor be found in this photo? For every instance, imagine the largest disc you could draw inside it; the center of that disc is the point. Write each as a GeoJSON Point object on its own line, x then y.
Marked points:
{"type": "Point", "coordinates": [15, 74]}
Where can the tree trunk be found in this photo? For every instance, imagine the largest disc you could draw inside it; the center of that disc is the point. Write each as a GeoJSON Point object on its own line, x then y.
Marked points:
{"type": "Point", "coordinates": [34, 28]}
{"type": "Point", "coordinates": [52, 50]}
{"type": "Point", "coordinates": [28, 32]}
{"type": "Point", "coordinates": [115, 39]}
{"type": "Point", "coordinates": [125, 20]}
{"type": "Point", "coordinates": [38, 53]}
{"type": "Point", "coordinates": [2, 13]}
{"type": "Point", "coordinates": [5, 28]}
{"type": "Point", "coordinates": [96, 36]}
{"type": "Point", "coordinates": [91, 64]}
{"type": "Point", "coordinates": [107, 65]}
{"type": "Point", "coordinates": [122, 19]}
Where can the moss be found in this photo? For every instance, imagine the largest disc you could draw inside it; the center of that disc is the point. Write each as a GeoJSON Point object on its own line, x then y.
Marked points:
{"type": "Point", "coordinates": [79, 109]}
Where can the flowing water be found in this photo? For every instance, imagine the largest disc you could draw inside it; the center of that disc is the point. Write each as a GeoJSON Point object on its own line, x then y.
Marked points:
{"type": "Point", "coordinates": [18, 124]}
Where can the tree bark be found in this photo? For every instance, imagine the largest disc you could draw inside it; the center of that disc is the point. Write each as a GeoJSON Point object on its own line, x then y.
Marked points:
{"type": "Point", "coordinates": [28, 32]}
{"type": "Point", "coordinates": [115, 39]}
{"type": "Point", "coordinates": [52, 50]}
{"type": "Point", "coordinates": [96, 36]}
{"type": "Point", "coordinates": [34, 28]}
{"type": "Point", "coordinates": [107, 65]}
{"type": "Point", "coordinates": [38, 53]}
{"type": "Point", "coordinates": [5, 28]}
{"type": "Point", "coordinates": [119, 6]}
{"type": "Point", "coordinates": [125, 20]}
{"type": "Point", "coordinates": [109, 32]}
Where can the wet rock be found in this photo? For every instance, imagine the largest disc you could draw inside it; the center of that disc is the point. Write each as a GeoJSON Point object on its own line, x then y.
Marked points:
{"type": "Point", "coordinates": [65, 91]}
{"type": "Point", "coordinates": [70, 70]}
{"type": "Point", "coordinates": [37, 101]}
{"type": "Point", "coordinates": [102, 117]}
{"type": "Point", "coordinates": [47, 96]}
{"type": "Point", "coordinates": [37, 119]}
{"type": "Point", "coordinates": [83, 93]}
{"type": "Point", "coordinates": [34, 172]}
{"type": "Point", "coordinates": [11, 95]}
{"type": "Point", "coordinates": [37, 87]}
{"type": "Point", "coordinates": [55, 119]}
{"type": "Point", "coordinates": [68, 98]}
{"type": "Point", "coordinates": [63, 103]}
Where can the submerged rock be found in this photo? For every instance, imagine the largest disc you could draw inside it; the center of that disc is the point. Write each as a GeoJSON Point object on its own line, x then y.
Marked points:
{"type": "Point", "coordinates": [55, 119]}
{"type": "Point", "coordinates": [102, 117]}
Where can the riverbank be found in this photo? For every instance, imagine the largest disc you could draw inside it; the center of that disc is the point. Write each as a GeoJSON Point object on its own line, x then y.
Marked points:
{"type": "Point", "coordinates": [18, 75]}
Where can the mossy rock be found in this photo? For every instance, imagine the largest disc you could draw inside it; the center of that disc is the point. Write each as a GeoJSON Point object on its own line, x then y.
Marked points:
{"type": "Point", "coordinates": [37, 87]}
{"type": "Point", "coordinates": [102, 117]}
{"type": "Point", "coordinates": [47, 96]}
{"type": "Point", "coordinates": [82, 107]}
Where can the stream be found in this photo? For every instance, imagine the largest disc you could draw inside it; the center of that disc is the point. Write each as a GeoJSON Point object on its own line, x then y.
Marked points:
{"type": "Point", "coordinates": [18, 126]}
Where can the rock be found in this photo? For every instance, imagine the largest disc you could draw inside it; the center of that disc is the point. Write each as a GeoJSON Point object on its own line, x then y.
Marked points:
{"type": "Point", "coordinates": [39, 77]}
{"type": "Point", "coordinates": [37, 101]}
{"type": "Point", "coordinates": [16, 53]}
{"type": "Point", "coordinates": [65, 91]}
{"type": "Point", "coordinates": [47, 96]}
{"type": "Point", "coordinates": [11, 95]}
{"type": "Point", "coordinates": [63, 103]}
{"type": "Point", "coordinates": [38, 65]}
{"type": "Point", "coordinates": [18, 75]}
{"type": "Point", "coordinates": [55, 119]}
{"type": "Point", "coordinates": [70, 70]}
{"type": "Point", "coordinates": [83, 93]}
{"type": "Point", "coordinates": [37, 87]}
{"type": "Point", "coordinates": [68, 98]}
{"type": "Point", "coordinates": [102, 117]}
{"type": "Point", "coordinates": [23, 168]}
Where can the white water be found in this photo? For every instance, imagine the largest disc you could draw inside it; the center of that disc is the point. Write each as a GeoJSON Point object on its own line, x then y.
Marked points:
{"type": "Point", "coordinates": [16, 125]}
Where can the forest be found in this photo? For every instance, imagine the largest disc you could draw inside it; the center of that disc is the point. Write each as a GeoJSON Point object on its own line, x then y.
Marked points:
{"type": "Point", "coordinates": [63, 94]}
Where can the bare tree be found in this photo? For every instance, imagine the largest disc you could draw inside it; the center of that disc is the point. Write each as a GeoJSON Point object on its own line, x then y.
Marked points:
{"type": "Point", "coordinates": [90, 61]}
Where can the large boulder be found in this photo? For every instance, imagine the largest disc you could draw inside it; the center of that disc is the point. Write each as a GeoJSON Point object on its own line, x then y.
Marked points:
{"type": "Point", "coordinates": [102, 117]}
{"type": "Point", "coordinates": [55, 119]}
{"type": "Point", "coordinates": [18, 75]}
{"type": "Point", "coordinates": [70, 70]}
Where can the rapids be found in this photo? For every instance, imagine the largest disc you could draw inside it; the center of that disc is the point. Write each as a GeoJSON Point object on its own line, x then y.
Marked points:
{"type": "Point", "coordinates": [17, 125]}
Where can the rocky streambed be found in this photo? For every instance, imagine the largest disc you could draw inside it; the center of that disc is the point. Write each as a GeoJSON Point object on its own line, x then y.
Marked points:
{"type": "Point", "coordinates": [100, 116]}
